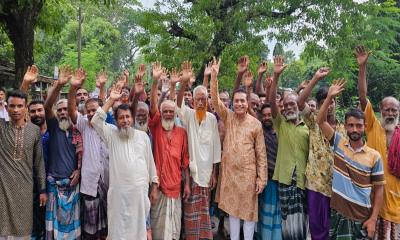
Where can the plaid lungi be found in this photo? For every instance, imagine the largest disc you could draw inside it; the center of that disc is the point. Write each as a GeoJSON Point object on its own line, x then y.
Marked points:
{"type": "Point", "coordinates": [345, 229]}
{"type": "Point", "coordinates": [293, 207]}
{"type": "Point", "coordinates": [62, 210]}
{"type": "Point", "coordinates": [386, 230]}
{"type": "Point", "coordinates": [94, 213]}
{"type": "Point", "coordinates": [196, 213]}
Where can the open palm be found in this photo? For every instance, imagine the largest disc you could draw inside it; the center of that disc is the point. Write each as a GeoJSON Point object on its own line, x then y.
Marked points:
{"type": "Point", "coordinates": [31, 74]}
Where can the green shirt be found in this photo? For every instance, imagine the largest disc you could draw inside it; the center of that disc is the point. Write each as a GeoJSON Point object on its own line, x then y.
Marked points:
{"type": "Point", "coordinates": [292, 151]}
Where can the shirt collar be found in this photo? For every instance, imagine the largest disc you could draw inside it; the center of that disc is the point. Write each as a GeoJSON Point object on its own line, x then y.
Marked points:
{"type": "Point", "coordinates": [361, 149]}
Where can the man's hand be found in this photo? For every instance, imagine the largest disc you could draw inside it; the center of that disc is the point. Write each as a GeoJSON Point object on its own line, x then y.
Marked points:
{"type": "Point", "coordinates": [370, 225]}
{"type": "Point", "coordinates": [321, 73]}
{"type": "Point", "coordinates": [336, 88]}
{"type": "Point", "coordinates": [139, 87]}
{"type": "Point", "coordinates": [141, 71]}
{"type": "Point", "coordinates": [361, 55]}
{"type": "Point", "coordinates": [65, 74]}
{"type": "Point", "coordinates": [115, 93]}
{"type": "Point", "coordinates": [259, 188]}
{"type": "Point", "coordinates": [164, 74]}
{"type": "Point", "coordinates": [247, 79]}
{"type": "Point", "coordinates": [186, 192]}
{"type": "Point", "coordinates": [42, 199]}
{"type": "Point", "coordinates": [78, 78]}
{"type": "Point", "coordinates": [279, 65]}
{"type": "Point", "coordinates": [262, 68]}
{"type": "Point", "coordinates": [126, 75]}
{"type": "Point", "coordinates": [153, 195]}
{"type": "Point", "coordinates": [31, 74]}
{"type": "Point", "coordinates": [186, 71]}
{"type": "Point", "coordinates": [101, 79]}
{"type": "Point", "coordinates": [213, 181]}
{"type": "Point", "coordinates": [157, 71]}
{"type": "Point", "coordinates": [174, 77]}
{"type": "Point", "coordinates": [243, 64]}
{"type": "Point", "coordinates": [207, 69]}
{"type": "Point", "coordinates": [75, 177]}
{"type": "Point", "coordinates": [268, 82]}
{"type": "Point", "coordinates": [215, 67]}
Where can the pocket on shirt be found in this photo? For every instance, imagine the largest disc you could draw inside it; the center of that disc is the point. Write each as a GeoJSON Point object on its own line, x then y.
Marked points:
{"type": "Point", "coordinates": [205, 136]}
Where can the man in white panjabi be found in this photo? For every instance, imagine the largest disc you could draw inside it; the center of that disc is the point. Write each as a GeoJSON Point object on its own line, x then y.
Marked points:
{"type": "Point", "coordinates": [132, 169]}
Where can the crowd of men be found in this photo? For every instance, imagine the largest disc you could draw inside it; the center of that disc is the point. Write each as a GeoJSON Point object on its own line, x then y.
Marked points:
{"type": "Point", "coordinates": [128, 164]}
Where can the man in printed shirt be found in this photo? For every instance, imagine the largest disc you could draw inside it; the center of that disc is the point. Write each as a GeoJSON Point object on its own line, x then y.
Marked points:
{"type": "Point", "coordinates": [357, 172]}
{"type": "Point", "coordinates": [171, 158]}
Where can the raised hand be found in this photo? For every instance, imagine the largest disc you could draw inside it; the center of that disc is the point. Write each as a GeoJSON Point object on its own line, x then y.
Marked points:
{"type": "Point", "coordinates": [248, 79]}
{"type": "Point", "coordinates": [101, 79]}
{"type": "Point", "coordinates": [31, 74]}
{"type": "Point", "coordinates": [65, 74]}
{"type": "Point", "coordinates": [139, 87]}
{"type": "Point", "coordinates": [165, 85]}
{"type": "Point", "coordinates": [336, 87]}
{"type": "Point", "coordinates": [321, 73]}
{"type": "Point", "coordinates": [164, 74]}
{"type": "Point", "coordinates": [215, 67]}
{"type": "Point", "coordinates": [279, 65]}
{"type": "Point", "coordinates": [207, 69]}
{"type": "Point", "coordinates": [78, 78]}
{"type": "Point", "coordinates": [243, 64]}
{"type": "Point", "coordinates": [157, 71]}
{"type": "Point", "coordinates": [262, 68]}
{"type": "Point", "coordinates": [361, 55]}
{"type": "Point", "coordinates": [174, 76]}
{"type": "Point", "coordinates": [268, 81]}
{"type": "Point", "coordinates": [186, 71]}
{"type": "Point", "coordinates": [126, 74]}
{"type": "Point", "coordinates": [115, 93]}
{"type": "Point", "coordinates": [141, 71]}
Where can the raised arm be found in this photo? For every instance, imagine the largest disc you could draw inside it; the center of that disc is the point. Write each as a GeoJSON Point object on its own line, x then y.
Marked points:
{"type": "Point", "coordinates": [138, 89]}
{"type": "Point", "coordinates": [306, 93]}
{"type": "Point", "coordinates": [261, 70]}
{"type": "Point", "coordinates": [64, 76]}
{"type": "Point", "coordinates": [174, 78]}
{"type": "Point", "coordinates": [322, 117]}
{"type": "Point", "coordinates": [279, 66]}
{"type": "Point", "coordinates": [115, 94]}
{"type": "Point", "coordinates": [362, 58]}
{"type": "Point", "coordinates": [207, 74]}
{"type": "Point", "coordinates": [219, 107]}
{"type": "Point", "coordinates": [186, 71]}
{"type": "Point", "coordinates": [157, 70]}
{"type": "Point", "coordinates": [248, 83]}
{"type": "Point", "coordinates": [243, 64]}
{"type": "Point", "coordinates": [30, 77]}
{"type": "Point", "coordinates": [76, 82]}
{"type": "Point", "coordinates": [101, 80]}
{"type": "Point", "coordinates": [267, 85]}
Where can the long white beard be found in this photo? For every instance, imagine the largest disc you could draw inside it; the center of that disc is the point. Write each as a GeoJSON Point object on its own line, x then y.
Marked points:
{"type": "Point", "coordinates": [167, 124]}
{"type": "Point", "coordinates": [292, 116]}
{"type": "Point", "coordinates": [126, 133]}
{"type": "Point", "coordinates": [388, 125]}
{"type": "Point", "coordinates": [64, 124]}
{"type": "Point", "coordinates": [142, 127]}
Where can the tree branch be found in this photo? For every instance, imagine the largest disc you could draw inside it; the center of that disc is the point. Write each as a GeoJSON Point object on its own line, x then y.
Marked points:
{"type": "Point", "coordinates": [178, 31]}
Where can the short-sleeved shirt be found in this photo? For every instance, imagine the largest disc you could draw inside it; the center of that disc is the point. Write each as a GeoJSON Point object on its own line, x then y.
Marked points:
{"type": "Point", "coordinates": [204, 144]}
{"type": "Point", "coordinates": [292, 151]}
{"type": "Point", "coordinates": [62, 153]}
{"type": "Point", "coordinates": [94, 159]}
{"type": "Point", "coordinates": [320, 158]}
{"type": "Point", "coordinates": [171, 155]}
{"type": "Point", "coordinates": [354, 174]}
{"type": "Point", "coordinates": [376, 139]}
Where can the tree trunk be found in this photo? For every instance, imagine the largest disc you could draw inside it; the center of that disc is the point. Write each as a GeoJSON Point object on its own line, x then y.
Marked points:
{"type": "Point", "coordinates": [20, 23]}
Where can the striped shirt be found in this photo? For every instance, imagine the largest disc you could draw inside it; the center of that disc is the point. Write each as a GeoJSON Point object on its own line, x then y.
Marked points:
{"type": "Point", "coordinates": [354, 174]}
{"type": "Point", "coordinates": [271, 144]}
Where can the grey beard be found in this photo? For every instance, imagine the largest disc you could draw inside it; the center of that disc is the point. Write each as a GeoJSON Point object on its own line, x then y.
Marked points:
{"type": "Point", "coordinates": [167, 124]}
{"type": "Point", "coordinates": [142, 127]}
{"type": "Point", "coordinates": [126, 133]}
{"type": "Point", "coordinates": [389, 126]}
{"type": "Point", "coordinates": [81, 107]}
{"type": "Point", "coordinates": [292, 116]}
{"type": "Point", "coordinates": [64, 124]}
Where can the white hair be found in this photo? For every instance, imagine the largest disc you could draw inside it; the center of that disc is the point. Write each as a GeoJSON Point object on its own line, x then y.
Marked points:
{"type": "Point", "coordinates": [200, 88]}
{"type": "Point", "coordinates": [62, 101]}
{"type": "Point", "coordinates": [167, 102]}
{"type": "Point", "coordinates": [143, 105]}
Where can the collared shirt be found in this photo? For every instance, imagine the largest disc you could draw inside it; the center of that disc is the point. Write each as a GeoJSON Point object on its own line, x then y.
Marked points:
{"type": "Point", "coordinates": [376, 139]}
{"type": "Point", "coordinates": [94, 159]}
{"type": "Point", "coordinates": [292, 151]}
{"type": "Point", "coordinates": [204, 144]}
{"type": "Point", "coordinates": [354, 174]}
{"type": "Point", "coordinates": [320, 158]}
{"type": "Point", "coordinates": [271, 144]}
{"type": "Point", "coordinates": [171, 155]}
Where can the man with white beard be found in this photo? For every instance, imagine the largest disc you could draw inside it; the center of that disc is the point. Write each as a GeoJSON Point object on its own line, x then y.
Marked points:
{"type": "Point", "coordinates": [64, 164]}
{"type": "Point", "coordinates": [142, 117]}
{"type": "Point", "coordinates": [132, 169]}
{"type": "Point", "coordinates": [291, 160]}
{"type": "Point", "coordinates": [379, 137]}
{"type": "Point", "coordinates": [171, 158]}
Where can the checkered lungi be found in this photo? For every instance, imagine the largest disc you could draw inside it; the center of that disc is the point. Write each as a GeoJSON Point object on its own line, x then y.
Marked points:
{"type": "Point", "coordinates": [62, 210]}
{"type": "Point", "coordinates": [196, 213]}
{"type": "Point", "coordinates": [345, 229]}
{"type": "Point", "coordinates": [94, 213]}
